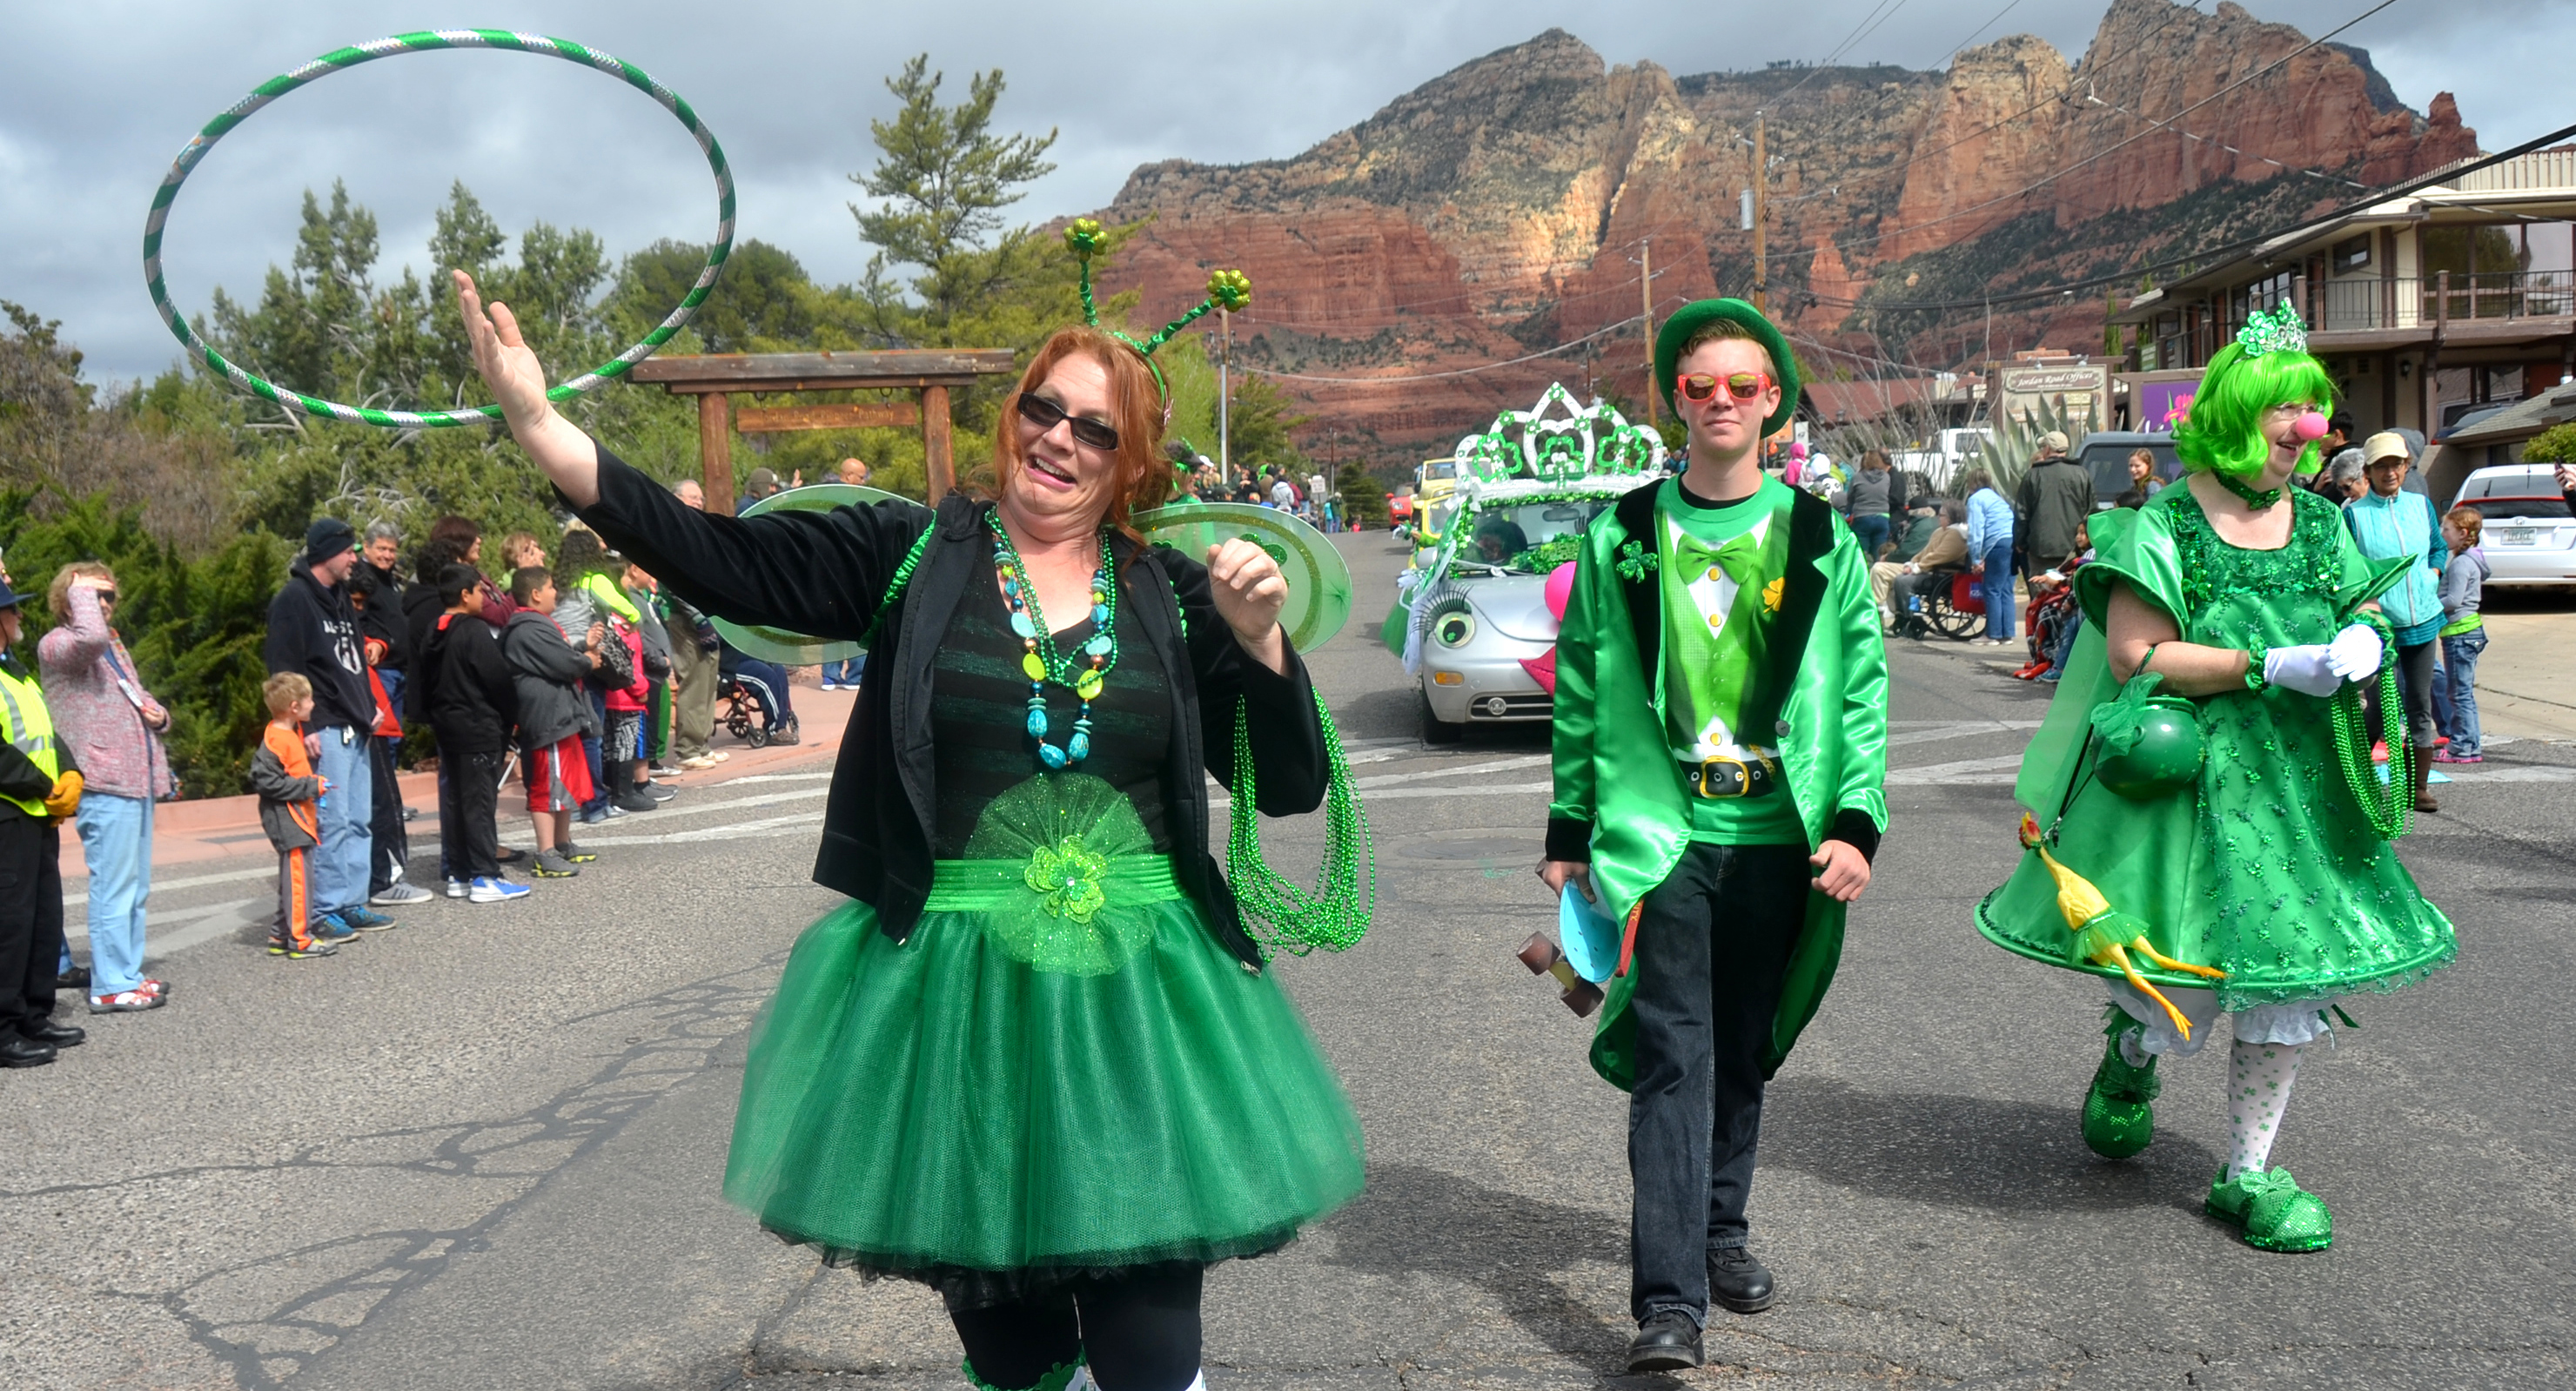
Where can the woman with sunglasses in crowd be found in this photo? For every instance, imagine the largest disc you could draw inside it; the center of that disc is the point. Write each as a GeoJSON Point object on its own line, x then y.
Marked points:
{"type": "Point", "coordinates": [1035, 1062]}
{"type": "Point", "coordinates": [113, 728]}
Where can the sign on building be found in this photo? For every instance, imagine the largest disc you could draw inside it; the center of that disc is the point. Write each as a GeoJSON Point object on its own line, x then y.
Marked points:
{"type": "Point", "coordinates": [2076, 393]}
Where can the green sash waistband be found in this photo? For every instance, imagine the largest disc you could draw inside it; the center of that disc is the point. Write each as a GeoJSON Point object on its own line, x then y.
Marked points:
{"type": "Point", "coordinates": [966, 886]}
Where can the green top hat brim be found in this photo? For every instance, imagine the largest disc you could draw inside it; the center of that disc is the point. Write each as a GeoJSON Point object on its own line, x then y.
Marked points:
{"type": "Point", "coordinates": [1695, 316]}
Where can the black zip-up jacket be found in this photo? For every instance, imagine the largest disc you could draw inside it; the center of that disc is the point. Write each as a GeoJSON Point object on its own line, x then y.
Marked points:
{"type": "Point", "coordinates": [385, 620]}
{"type": "Point", "coordinates": [313, 632]}
{"type": "Point", "coordinates": [826, 574]}
{"type": "Point", "coordinates": [473, 702]}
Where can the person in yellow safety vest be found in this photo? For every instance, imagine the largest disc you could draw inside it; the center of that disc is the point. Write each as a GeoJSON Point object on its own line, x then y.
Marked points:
{"type": "Point", "coordinates": [39, 790]}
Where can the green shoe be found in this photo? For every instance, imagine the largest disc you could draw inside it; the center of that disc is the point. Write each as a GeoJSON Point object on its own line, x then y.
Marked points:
{"type": "Point", "coordinates": [2272, 1211]}
{"type": "Point", "coordinates": [2119, 1118]}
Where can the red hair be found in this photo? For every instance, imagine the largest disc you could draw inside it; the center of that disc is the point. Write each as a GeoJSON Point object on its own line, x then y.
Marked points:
{"type": "Point", "coordinates": [1139, 478]}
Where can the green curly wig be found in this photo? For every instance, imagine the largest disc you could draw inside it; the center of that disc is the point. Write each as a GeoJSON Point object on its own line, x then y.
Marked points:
{"type": "Point", "coordinates": [2224, 430]}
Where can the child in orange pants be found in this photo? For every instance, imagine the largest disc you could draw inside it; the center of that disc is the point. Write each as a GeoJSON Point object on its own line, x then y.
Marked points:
{"type": "Point", "coordinates": [289, 791]}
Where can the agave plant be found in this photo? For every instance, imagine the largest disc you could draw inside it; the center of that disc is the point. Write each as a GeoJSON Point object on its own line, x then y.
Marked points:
{"type": "Point", "coordinates": [2005, 455]}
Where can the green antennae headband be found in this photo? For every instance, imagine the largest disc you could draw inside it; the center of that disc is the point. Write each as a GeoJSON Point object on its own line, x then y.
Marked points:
{"type": "Point", "coordinates": [1227, 289]}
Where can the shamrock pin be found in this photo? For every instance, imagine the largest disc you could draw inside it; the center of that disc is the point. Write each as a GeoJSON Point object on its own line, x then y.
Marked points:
{"type": "Point", "coordinates": [1636, 562]}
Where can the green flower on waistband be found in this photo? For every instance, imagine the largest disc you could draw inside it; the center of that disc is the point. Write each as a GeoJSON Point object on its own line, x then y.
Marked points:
{"type": "Point", "coordinates": [1067, 878]}
{"type": "Point", "coordinates": [1636, 562]}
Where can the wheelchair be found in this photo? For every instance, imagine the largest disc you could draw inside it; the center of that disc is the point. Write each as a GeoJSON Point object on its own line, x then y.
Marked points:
{"type": "Point", "coordinates": [1956, 612]}
{"type": "Point", "coordinates": [743, 712]}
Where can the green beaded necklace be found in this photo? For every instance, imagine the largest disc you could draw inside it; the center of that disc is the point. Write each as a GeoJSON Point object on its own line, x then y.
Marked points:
{"type": "Point", "coordinates": [2385, 805]}
{"type": "Point", "coordinates": [1279, 914]}
{"type": "Point", "coordinates": [1041, 662]}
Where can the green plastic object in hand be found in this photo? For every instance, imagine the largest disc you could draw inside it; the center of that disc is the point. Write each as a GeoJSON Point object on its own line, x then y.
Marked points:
{"type": "Point", "coordinates": [777, 644]}
{"type": "Point", "coordinates": [1319, 580]}
{"type": "Point", "coordinates": [2151, 743]}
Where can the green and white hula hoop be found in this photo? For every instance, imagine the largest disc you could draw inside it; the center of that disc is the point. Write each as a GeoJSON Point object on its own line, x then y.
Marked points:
{"type": "Point", "coordinates": [350, 57]}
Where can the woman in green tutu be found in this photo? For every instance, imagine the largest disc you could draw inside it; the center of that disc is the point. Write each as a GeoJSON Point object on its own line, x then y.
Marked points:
{"type": "Point", "coordinates": [2206, 827]}
{"type": "Point", "coordinates": [1035, 1062]}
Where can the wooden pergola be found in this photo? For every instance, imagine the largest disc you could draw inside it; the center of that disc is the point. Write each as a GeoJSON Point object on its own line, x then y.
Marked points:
{"type": "Point", "coordinates": [928, 373]}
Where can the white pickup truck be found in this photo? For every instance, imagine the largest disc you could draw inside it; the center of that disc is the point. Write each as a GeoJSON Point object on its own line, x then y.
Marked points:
{"type": "Point", "coordinates": [1944, 454]}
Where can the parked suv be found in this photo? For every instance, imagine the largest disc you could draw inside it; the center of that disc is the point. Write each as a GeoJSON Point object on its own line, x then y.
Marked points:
{"type": "Point", "coordinates": [2105, 455]}
{"type": "Point", "coordinates": [2529, 537]}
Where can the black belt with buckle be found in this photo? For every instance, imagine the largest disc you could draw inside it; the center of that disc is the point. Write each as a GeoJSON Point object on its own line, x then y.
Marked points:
{"type": "Point", "coordinates": [1725, 776]}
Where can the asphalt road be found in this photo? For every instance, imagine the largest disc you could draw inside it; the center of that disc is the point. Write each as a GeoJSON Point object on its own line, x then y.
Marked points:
{"type": "Point", "coordinates": [482, 1150]}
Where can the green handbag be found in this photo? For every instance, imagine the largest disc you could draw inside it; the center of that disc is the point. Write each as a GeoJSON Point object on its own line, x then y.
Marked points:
{"type": "Point", "coordinates": [2151, 745]}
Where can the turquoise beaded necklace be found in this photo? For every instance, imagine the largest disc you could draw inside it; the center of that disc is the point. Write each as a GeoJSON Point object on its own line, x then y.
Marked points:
{"type": "Point", "coordinates": [1038, 656]}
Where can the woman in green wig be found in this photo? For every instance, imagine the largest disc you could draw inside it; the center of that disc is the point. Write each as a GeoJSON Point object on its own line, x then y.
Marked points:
{"type": "Point", "coordinates": [2206, 828]}
{"type": "Point", "coordinates": [1035, 1060]}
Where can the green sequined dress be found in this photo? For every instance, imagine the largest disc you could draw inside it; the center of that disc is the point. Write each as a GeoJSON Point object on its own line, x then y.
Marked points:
{"type": "Point", "coordinates": [2266, 869]}
{"type": "Point", "coordinates": [1061, 1070]}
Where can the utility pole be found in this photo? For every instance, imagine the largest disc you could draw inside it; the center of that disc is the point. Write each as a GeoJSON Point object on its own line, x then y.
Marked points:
{"type": "Point", "coordinates": [1646, 306]}
{"type": "Point", "coordinates": [1761, 196]}
{"type": "Point", "coordinates": [1224, 396]}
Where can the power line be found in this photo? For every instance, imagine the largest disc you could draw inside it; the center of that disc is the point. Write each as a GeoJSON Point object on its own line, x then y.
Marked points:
{"type": "Point", "coordinates": [2046, 179]}
{"type": "Point", "coordinates": [1961, 45]}
{"type": "Point", "coordinates": [2358, 205]}
{"type": "Point", "coordinates": [1855, 36]}
{"type": "Point", "coordinates": [1462, 371]}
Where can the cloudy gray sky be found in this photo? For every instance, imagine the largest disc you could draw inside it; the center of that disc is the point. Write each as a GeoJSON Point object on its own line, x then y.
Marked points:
{"type": "Point", "coordinates": [96, 98]}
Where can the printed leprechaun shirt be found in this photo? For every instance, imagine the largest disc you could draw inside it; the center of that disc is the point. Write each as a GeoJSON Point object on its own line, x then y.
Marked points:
{"type": "Point", "coordinates": [1722, 566]}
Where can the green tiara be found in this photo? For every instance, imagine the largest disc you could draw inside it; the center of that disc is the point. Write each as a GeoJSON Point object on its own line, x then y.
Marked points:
{"type": "Point", "coordinates": [1227, 289]}
{"type": "Point", "coordinates": [2279, 331]}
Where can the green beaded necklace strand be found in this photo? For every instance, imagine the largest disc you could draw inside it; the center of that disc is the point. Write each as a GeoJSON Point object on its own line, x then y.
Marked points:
{"type": "Point", "coordinates": [1280, 915]}
{"type": "Point", "coordinates": [2384, 804]}
{"type": "Point", "coordinates": [1039, 658]}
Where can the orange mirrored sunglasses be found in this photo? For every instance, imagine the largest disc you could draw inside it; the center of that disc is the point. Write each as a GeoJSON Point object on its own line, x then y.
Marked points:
{"type": "Point", "coordinates": [1743, 386]}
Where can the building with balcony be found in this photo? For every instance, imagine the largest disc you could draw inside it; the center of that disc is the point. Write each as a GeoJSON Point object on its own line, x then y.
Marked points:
{"type": "Point", "coordinates": [2429, 309]}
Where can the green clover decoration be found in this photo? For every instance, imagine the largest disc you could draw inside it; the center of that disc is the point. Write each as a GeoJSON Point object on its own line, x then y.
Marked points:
{"type": "Point", "coordinates": [1067, 878]}
{"type": "Point", "coordinates": [1636, 562]}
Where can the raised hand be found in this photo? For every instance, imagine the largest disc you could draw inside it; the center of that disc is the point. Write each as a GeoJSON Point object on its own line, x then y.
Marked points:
{"type": "Point", "coordinates": [1249, 593]}
{"type": "Point", "coordinates": [517, 381]}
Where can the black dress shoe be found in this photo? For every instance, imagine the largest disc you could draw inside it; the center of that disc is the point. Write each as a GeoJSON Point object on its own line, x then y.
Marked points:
{"type": "Point", "coordinates": [1738, 1281]}
{"type": "Point", "coordinates": [59, 1035]}
{"type": "Point", "coordinates": [24, 1052]}
{"type": "Point", "coordinates": [77, 978]}
{"type": "Point", "coordinates": [1665, 1342]}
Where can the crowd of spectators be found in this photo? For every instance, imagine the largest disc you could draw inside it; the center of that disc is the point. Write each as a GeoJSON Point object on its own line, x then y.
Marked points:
{"type": "Point", "coordinates": [582, 680]}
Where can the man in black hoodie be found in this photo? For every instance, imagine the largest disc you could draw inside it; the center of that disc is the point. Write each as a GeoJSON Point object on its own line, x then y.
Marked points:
{"type": "Point", "coordinates": [473, 707]}
{"type": "Point", "coordinates": [313, 632]}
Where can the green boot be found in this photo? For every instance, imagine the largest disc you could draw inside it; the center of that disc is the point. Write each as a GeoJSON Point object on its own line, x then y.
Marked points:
{"type": "Point", "coordinates": [2119, 1117]}
{"type": "Point", "coordinates": [2272, 1211]}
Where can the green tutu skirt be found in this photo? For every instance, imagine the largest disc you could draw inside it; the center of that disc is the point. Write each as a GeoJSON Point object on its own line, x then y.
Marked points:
{"type": "Point", "coordinates": [1061, 1070]}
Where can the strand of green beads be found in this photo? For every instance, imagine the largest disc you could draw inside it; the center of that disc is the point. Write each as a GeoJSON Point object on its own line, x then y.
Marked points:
{"type": "Point", "coordinates": [1280, 915]}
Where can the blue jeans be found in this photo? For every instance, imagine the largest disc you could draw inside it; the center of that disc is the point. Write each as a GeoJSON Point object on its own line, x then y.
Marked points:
{"type": "Point", "coordinates": [1996, 588]}
{"type": "Point", "coordinates": [1871, 528]}
{"type": "Point", "coordinates": [590, 750]}
{"type": "Point", "coordinates": [116, 840]}
{"type": "Point", "coordinates": [2460, 667]}
{"type": "Point", "coordinates": [846, 673]}
{"type": "Point", "coordinates": [341, 863]}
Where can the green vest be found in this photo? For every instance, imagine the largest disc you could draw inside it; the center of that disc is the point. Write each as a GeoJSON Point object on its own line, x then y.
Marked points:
{"type": "Point", "coordinates": [30, 730]}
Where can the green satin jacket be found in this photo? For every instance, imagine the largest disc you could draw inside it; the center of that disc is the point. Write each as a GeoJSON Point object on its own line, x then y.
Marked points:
{"type": "Point", "coordinates": [1620, 799]}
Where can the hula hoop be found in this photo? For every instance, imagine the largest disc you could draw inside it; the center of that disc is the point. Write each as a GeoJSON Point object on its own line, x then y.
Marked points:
{"type": "Point", "coordinates": [502, 39]}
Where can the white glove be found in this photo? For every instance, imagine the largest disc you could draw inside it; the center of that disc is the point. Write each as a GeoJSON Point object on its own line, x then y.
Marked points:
{"type": "Point", "coordinates": [2308, 670]}
{"type": "Point", "coordinates": [2355, 652]}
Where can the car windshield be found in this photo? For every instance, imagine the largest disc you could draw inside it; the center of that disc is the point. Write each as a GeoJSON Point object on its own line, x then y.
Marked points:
{"type": "Point", "coordinates": [2495, 508]}
{"type": "Point", "coordinates": [1530, 538]}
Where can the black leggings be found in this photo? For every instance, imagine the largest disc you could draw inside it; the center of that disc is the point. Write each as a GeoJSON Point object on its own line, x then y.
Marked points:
{"type": "Point", "coordinates": [1138, 1332]}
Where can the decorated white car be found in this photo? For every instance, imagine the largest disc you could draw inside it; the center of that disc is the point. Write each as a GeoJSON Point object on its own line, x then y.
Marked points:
{"type": "Point", "coordinates": [1476, 612]}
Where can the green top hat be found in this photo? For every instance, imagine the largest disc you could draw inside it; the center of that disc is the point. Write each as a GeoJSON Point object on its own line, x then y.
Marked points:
{"type": "Point", "coordinates": [1693, 317]}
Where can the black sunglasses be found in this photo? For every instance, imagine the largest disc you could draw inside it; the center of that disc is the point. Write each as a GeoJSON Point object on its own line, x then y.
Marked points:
{"type": "Point", "coordinates": [1043, 413]}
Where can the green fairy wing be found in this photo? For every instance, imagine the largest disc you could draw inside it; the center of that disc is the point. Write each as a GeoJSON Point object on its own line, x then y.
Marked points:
{"type": "Point", "coordinates": [1319, 581]}
{"type": "Point", "coordinates": [777, 644]}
